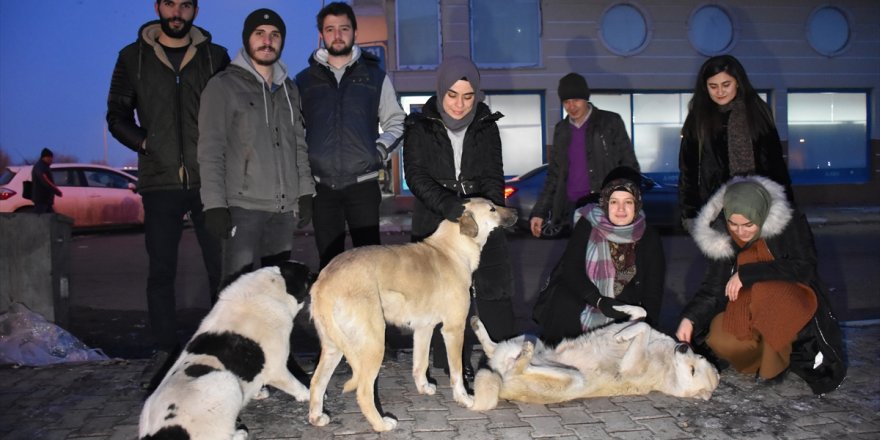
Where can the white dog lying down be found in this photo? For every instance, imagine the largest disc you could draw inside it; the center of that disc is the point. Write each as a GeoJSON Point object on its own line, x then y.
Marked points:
{"type": "Point", "coordinates": [241, 345]}
{"type": "Point", "coordinates": [618, 359]}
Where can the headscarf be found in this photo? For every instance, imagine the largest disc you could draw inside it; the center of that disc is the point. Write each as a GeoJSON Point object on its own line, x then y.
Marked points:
{"type": "Point", "coordinates": [749, 199]}
{"type": "Point", "coordinates": [601, 269]}
{"type": "Point", "coordinates": [451, 70]}
{"type": "Point", "coordinates": [620, 185]}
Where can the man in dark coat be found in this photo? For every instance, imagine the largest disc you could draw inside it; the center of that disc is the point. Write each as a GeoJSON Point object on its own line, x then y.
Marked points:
{"type": "Point", "coordinates": [346, 96]}
{"type": "Point", "coordinates": [161, 77]}
{"type": "Point", "coordinates": [598, 141]}
{"type": "Point", "coordinates": [44, 188]}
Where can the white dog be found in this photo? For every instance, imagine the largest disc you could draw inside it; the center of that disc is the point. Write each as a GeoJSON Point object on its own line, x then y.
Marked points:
{"type": "Point", "coordinates": [619, 359]}
{"type": "Point", "coordinates": [240, 346]}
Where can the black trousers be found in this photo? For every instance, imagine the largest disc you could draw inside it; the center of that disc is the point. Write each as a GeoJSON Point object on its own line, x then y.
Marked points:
{"type": "Point", "coordinates": [493, 285]}
{"type": "Point", "coordinates": [163, 227]}
{"type": "Point", "coordinates": [356, 205]}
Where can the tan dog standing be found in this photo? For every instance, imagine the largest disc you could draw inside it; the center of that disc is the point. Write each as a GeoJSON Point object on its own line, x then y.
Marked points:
{"type": "Point", "coordinates": [628, 358]}
{"type": "Point", "coordinates": [414, 285]}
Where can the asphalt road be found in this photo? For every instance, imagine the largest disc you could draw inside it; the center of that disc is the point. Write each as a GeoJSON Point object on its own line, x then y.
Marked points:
{"type": "Point", "coordinates": [108, 276]}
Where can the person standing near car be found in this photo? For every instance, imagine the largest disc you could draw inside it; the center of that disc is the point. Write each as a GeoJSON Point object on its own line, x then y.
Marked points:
{"type": "Point", "coordinates": [613, 258]}
{"type": "Point", "coordinates": [587, 145]}
{"type": "Point", "coordinates": [160, 77]}
{"type": "Point", "coordinates": [44, 188]}
{"type": "Point", "coordinates": [253, 158]}
{"type": "Point", "coordinates": [452, 152]}
{"type": "Point", "coordinates": [345, 97]}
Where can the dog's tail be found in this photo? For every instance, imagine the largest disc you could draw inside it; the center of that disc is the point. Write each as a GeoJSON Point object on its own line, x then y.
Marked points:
{"type": "Point", "coordinates": [483, 335]}
{"type": "Point", "coordinates": [487, 388]}
{"type": "Point", "coordinates": [351, 384]}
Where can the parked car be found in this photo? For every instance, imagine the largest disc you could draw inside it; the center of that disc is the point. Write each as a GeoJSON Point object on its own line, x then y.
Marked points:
{"type": "Point", "coordinates": [660, 203]}
{"type": "Point", "coordinates": [130, 170]}
{"type": "Point", "coordinates": [94, 195]}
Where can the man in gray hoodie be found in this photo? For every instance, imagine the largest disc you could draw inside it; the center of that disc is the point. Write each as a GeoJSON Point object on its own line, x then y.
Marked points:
{"type": "Point", "coordinates": [252, 152]}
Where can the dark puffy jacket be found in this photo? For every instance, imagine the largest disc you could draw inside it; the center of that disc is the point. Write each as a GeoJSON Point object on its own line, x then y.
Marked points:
{"type": "Point", "coordinates": [167, 105]}
{"type": "Point", "coordinates": [703, 170]}
{"type": "Point", "coordinates": [429, 165]}
{"type": "Point", "coordinates": [790, 240]}
{"type": "Point", "coordinates": [342, 120]}
{"type": "Point", "coordinates": [608, 147]}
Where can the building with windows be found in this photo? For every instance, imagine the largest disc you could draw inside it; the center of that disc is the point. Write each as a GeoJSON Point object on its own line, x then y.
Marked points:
{"type": "Point", "coordinates": [817, 63]}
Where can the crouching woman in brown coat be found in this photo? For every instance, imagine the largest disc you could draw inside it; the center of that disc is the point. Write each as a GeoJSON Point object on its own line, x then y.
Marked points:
{"type": "Point", "coordinates": [761, 306]}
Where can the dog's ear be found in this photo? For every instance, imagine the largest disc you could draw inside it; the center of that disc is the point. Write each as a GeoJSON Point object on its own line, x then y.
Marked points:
{"type": "Point", "coordinates": [468, 224]}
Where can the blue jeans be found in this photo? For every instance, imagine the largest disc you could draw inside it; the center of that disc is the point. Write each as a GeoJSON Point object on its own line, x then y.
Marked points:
{"type": "Point", "coordinates": [263, 234]}
{"type": "Point", "coordinates": [163, 227]}
{"type": "Point", "coordinates": [357, 205]}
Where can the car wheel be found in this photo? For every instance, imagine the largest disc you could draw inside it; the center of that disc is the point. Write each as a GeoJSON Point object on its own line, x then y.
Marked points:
{"type": "Point", "coordinates": [551, 230]}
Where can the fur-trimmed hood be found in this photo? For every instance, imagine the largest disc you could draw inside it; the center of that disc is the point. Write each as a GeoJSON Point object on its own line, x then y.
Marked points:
{"type": "Point", "coordinates": [717, 244]}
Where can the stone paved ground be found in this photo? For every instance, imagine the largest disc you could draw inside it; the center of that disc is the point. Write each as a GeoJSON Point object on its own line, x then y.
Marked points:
{"type": "Point", "coordinates": [102, 401]}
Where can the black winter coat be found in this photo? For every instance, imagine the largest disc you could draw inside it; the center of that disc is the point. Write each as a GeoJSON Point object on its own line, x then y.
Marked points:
{"type": "Point", "coordinates": [167, 105]}
{"type": "Point", "coordinates": [429, 167]}
{"type": "Point", "coordinates": [575, 290]}
{"type": "Point", "coordinates": [703, 170]}
{"type": "Point", "coordinates": [790, 241]}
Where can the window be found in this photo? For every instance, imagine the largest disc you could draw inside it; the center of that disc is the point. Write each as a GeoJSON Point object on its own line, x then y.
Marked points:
{"type": "Point", "coordinates": [711, 30]}
{"type": "Point", "coordinates": [828, 137]}
{"type": "Point", "coordinates": [828, 31]}
{"type": "Point", "coordinates": [505, 33]}
{"type": "Point", "coordinates": [657, 122]}
{"type": "Point", "coordinates": [418, 34]}
{"type": "Point", "coordinates": [625, 29]}
{"type": "Point", "coordinates": [521, 128]}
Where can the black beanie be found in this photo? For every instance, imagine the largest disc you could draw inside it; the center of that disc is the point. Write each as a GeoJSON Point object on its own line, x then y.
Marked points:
{"type": "Point", "coordinates": [259, 18]}
{"type": "Point", "coordinates": [46, 153]}
{"type": "Point", "coordinates": [573, 86]}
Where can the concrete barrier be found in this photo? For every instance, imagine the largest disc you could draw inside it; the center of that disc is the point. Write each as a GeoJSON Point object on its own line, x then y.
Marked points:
{"type": "Point", "coordinates": [35, 263]}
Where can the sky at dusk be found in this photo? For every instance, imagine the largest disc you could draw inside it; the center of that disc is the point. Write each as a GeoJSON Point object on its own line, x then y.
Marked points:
{"type": "Point", "coordinates": [57, 57]}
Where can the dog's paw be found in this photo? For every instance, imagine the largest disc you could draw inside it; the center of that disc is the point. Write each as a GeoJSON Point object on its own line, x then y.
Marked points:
{"type": "Point", "coordinates": [320, 420]}
{"type": "Point", "coordinates": [427, 388]}
{"type": "Point", "coordinates": [634, 312]}
{"type": "Point", "coordinates": [302, 396]}
{"type": "Point", "coordinates": [475, 324]}
{"type": "Point", "coordinates": [464, 399]}
{"type": "Point", "coordinates": [263, 393]}
{"type": "Point", "coordinates": [388, 423]}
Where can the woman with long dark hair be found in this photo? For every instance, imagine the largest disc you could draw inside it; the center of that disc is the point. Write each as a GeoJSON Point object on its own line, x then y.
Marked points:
{"type": "Point", "coordinates": [729, 131]}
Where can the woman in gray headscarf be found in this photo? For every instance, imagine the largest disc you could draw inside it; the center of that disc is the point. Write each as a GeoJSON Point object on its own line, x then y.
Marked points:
{"type": "Point", "coordinates": [451, 152]}
{"type": "Point", "coordinates": [761, 306]}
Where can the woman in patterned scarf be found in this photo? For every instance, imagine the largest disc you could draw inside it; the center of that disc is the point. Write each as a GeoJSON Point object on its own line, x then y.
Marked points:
{"type": "Point", "coordinates": [613, 258]}
{"type": "Point", "coordinates": [729, 131]}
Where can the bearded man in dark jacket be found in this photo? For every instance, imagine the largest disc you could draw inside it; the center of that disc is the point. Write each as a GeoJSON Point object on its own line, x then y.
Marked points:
{"type": "Point", "coordinates": [161, 76]}
{"type": "Point", "coordinates": [345, 97]}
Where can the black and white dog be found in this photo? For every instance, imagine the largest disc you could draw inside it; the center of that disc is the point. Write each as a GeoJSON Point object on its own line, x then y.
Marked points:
{"type": "Point", "coordinates": [241, 345]}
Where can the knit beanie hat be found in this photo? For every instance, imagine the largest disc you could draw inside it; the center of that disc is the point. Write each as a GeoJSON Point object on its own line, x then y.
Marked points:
{"type": "Point", "coordinates": [748, 199]}
{"type": "Point", "coordinates": [46, 153]}
{"type": "Point", "coordinates": [259, 18]}
{"type": "Point", "coordinates": [622, 178]}
{"type": "Point", "coordinates": [450, 71]}
{"type": "Point", "coordinates": [573, 86]}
